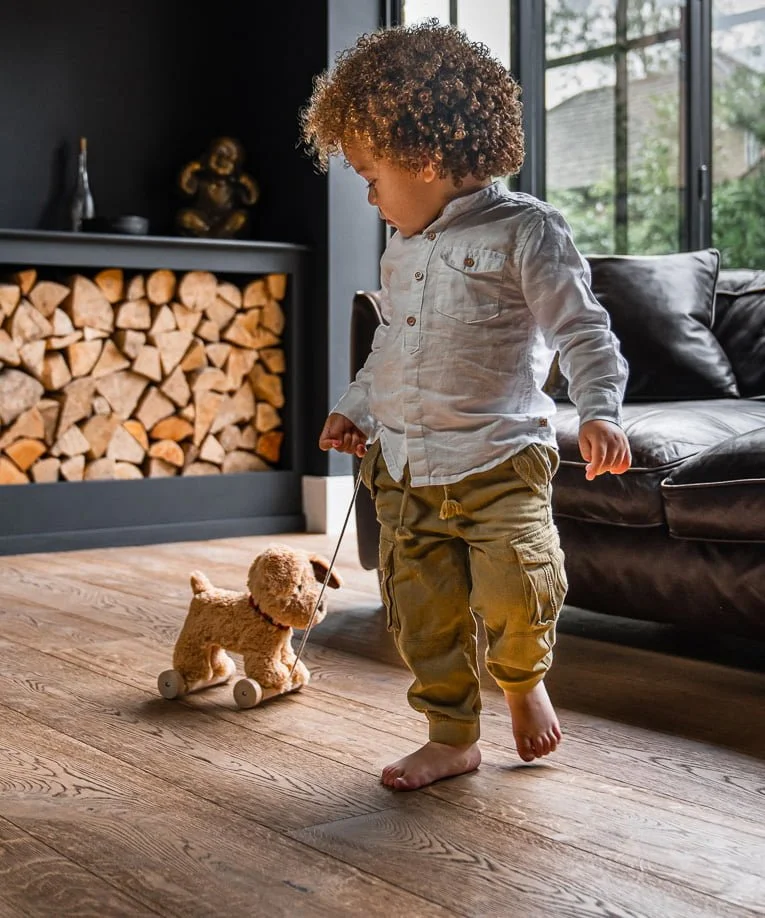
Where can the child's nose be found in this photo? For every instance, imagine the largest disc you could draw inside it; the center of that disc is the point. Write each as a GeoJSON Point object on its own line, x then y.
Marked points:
{"type": "Point", "coordinates": [372, 197]}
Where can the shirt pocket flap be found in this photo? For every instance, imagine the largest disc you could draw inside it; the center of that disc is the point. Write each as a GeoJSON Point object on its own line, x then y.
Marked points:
{"type": "Point", "coordinates": [472, 260]}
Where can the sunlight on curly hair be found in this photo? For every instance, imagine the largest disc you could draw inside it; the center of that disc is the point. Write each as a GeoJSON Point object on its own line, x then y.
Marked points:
{"type": "Point", "coordinates": [415, 95]}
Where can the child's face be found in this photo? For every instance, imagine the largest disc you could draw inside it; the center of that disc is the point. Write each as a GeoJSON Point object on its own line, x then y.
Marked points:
{"type": "Point", "coordinates": [406, 201]}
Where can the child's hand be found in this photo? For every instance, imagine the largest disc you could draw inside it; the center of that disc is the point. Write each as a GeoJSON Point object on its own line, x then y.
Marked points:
{"type": "Point", "coordinates": [604, 447]}
{"type": "Point", "coordinates": [343, 435]}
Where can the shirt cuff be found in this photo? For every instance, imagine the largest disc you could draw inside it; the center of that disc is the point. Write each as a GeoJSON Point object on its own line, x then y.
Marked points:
{"type": "Point", "coordinates": [600, 406]}
{"type": "Point", "coordinates": [353, 405]}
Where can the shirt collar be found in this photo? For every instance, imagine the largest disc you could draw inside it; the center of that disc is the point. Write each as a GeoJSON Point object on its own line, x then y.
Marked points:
{"type": "Point", "coordinates": [467, 203]}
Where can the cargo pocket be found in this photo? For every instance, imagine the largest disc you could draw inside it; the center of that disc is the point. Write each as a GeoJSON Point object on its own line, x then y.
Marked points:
{"type": "Point", "coordinates": [368, 467]}
{"type": "Point", "coordinates": [535, 466]}
{"type": "Point", "coordinates": [543, 574]}
{"type": "Point", "coordinates": [386, 575]}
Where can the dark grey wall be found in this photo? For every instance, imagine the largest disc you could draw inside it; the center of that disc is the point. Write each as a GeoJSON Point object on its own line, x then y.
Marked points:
{"type": "Point", "coordinates": [150, 83]}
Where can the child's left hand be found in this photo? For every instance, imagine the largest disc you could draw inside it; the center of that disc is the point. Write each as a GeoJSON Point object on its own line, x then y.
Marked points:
{"type": "Point", "coordinates": [605, 448]}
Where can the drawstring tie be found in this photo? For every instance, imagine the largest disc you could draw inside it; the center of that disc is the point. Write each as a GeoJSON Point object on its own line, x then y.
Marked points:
{"type": "Point", "coordinates": [449, 508]}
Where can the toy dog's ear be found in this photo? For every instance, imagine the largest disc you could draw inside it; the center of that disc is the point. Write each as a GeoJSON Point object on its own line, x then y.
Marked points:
{"type": "Point", "coordinates": [320, 571]}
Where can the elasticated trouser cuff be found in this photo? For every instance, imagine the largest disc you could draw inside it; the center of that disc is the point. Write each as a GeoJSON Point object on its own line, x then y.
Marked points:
{"type": "Point", "coordinates": [452, 732]}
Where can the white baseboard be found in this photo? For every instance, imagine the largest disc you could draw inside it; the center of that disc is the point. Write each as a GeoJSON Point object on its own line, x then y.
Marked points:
{"type": "Point", "coordinates": [325, 503]}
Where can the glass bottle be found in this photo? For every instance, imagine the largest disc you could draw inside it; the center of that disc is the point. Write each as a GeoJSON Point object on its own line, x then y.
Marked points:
{"type": "Point", "coordinates": [82, 202]}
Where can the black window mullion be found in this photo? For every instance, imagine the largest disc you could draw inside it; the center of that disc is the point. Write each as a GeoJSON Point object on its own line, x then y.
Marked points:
{"type": "Point", "coordinates": [697, 231]}
{"type": "Point", "coordinates": [527, 57]}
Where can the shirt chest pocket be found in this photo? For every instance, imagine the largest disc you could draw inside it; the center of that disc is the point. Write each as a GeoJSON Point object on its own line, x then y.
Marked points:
{"type": "Point", "coordinates": [471, 280]}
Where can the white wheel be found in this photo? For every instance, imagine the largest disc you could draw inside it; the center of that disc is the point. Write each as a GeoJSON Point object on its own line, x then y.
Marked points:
{"type": "Point", "coordinates": [171, 684]}
{"type": "Point", "coordinates": [248, 693]}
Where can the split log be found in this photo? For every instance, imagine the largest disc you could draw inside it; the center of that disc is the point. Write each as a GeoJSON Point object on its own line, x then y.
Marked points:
{"type": "Point", "coordinates": [82, 356]}
{"type": "Point", "coordinates": [188, 412]}
{"type": "Point", "coordinates": [158, 468]}
{"type": "Point", "coordinates": [234, 409]}
{"type": "Point", "coordinates": [87, 306]}
{"type": "Point", "coordinates": [136, 288]}
{"type": "Point", "coordinates": [221, 312]}
{"type": "Point", "coordinates": [230, 438]}
{"type": "Point", "coordinates": [201, 468]}
{"type": "Point", "coordinates": [190, 452]}
{"type": "Point", "coordinates": [33, 357]}
{"type": "Point", "coordinates": [73, 443]}
{"type": "Point", "coordinates": [122, 391]}
{"type": "Point", "coordinates": [266, 386]}
{"type": "Point", "coordinates": [47, 296]}
{"type": "Point", "coordinates": [212, 451]}
{"type": "Point", "coordinates": [266, 417]}
{"type": "Point", "coordinates": [135, 314]}
{"type": "Point", "coordinates": [11, 474]}
{"type": "Point", "coordinates": [27, 324]}
{"type": "Point", "coordinates": [218, 354]}
{"type": "Point", "coordinates": [160, 287]}
{"type": "Point", "coordinates": [206, 408]}
{"type": "Point", "coordinates": [277, 285]}
{"type": "Point", "coordinates": [104, 469]}
{"type": "Point", "coordinates": [111, 282]}
{"type": "Point", "coordinates": [240, 461]}
{"type": "Point", "coordinates": [255, 294]}
{"type": "Point", "coordinates": [75, 402]}
{"type": "Point", "coordinates": [198, 289]}
{"type": "Point", "coordinates": [26, 452]}
{"type": "Point", "coordinates": [94, 334]}
{"type": "Point", "coordinates": [130, 342]}
{"type": "Point", "coordinates": [273, 359]}
{"type": "Point", "coordinates": [98, 431]}
{"type": "Point", "coordinates": [18, 393]}
{"type": "Point", "coordinates": [162, 320]}
{"type": "Point", "coordinates": [167, 450]}
{"type": "Point", "coordinates": [9, 353]}
{"type": "Point", "coordinates": [209, 331]}
{"type": "Point", "coordinates": [25, 279]}
{"type": "Point", "coordinates": [62, 343]}
{"type": "Point", "coordinates": [62, 324]}
{"type": "Point", "coordinates": [46, 471]}
{"type": "Point", "coordinates": [112, 360]}
{"type": "Point", "coordinates": [269, 445]}
{"type": "Point", "coordinates": [55, 372]}
{"type": "Point", "coordinates": [230, 294]}
{"type": "Point", "coordinates": [245, 331]}
{"type": "Point", "coordinates": [101, 407]}
{"type": "Point", "coordinates": [124, 447]}
{"type": "Point", "coordinates": [126, 471]}
{"type": "Point", "coordinates": [153, 408]}
{"type": "Point", "coordinates": [176, 388]}
{"type": "Point", "coordinates": [147, 363]}
{"type": "Point", "coordinates": [272, 317]}
{"type": "Point", "coordinates": [172, 348]}
{"type": "Point", "coordinates": [208, 378]}
{"type": "Point", "coordinates": [248, 438]}
{"type": "Point", "coordinates": [172, 428]}
{"type": "Point", "coordinates": [136, 429]}
{"type": "Point", "coordinates": [10, 297]}
{"type": "Point", "coordinates": [195, 357]}
{"type": "Point", "coordinates": [28, 424]}
{"type": "Point", "coordinates": [73, 469]}
{"type": "Point", "coordinates": [186, 319]}
{"type": "Point", "coordinates": [50, 410]}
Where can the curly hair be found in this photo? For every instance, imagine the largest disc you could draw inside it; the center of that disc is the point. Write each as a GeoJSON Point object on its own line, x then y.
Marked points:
{"type": "Point", "coordinates": [415, 95]}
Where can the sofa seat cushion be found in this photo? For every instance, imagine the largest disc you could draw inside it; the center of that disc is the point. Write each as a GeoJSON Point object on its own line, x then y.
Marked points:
{"type": "Point", "coordinates": [662, 435]}
{"type": "Point", "coordinates": [719, 494]}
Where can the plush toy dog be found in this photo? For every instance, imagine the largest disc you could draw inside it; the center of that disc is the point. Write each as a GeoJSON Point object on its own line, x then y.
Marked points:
{"type": "Point", "coordinates": [284, 586]}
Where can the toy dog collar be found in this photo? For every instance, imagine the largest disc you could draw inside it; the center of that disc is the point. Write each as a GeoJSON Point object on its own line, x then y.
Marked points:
{"type": "Point", "coordinates": [268, 618]}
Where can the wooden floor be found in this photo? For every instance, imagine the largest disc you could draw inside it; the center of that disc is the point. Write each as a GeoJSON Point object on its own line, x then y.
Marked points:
{"type": "Point", "coordinates": [116, 802]}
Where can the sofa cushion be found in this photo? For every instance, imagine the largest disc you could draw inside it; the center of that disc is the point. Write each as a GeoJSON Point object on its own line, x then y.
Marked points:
{"type": "Point", "coordinates": [740, 327]}
{"type": "Point", "coordinates": [662, 436]}
{"type": "Point", "coordinates": [719, 494]}
{"type": "Point", "coordinates": [662, 311]}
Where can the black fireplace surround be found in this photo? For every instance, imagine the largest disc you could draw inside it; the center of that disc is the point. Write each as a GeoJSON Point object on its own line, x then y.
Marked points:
{"type": "Point", "coordinates": [679, 538]}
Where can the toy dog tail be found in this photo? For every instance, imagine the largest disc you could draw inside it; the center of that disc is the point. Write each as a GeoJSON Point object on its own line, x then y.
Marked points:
{"type": "Point", "coordinates": [200, 583]}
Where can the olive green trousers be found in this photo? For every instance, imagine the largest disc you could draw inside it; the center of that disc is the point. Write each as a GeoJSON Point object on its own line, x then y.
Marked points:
{"type": "Point", "coordinates": [484, 547]}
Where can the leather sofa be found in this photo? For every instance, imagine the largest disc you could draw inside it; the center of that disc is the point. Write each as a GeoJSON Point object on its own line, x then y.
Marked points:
{"type": "Point", "coordinates": [679, 538]}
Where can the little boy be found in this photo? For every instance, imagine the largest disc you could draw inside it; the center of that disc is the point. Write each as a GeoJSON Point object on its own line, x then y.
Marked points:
{"type": "Point", "coordinates": [479, 286]}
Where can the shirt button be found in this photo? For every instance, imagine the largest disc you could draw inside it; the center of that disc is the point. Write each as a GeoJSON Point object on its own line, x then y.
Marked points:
{"type": "Point", "coordinates": [431, 235]}
{"type": "Point", "coordinates": [468, 262]}
{"type": "Point", "coordinates": [418, 275]}
{"type": "Point", "coordinates": [410, 320]}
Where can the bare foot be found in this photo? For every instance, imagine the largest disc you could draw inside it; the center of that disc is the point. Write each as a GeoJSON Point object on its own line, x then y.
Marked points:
{"type": "Point", "coordinates": [535, 724]}
{"type": "Point", "coordinates": [431, 763]}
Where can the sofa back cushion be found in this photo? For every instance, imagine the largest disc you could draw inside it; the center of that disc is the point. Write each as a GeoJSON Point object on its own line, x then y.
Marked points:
{"type": "Point", "coordinates": [662, 312]}
{"type": "Point", "coordinates": [740, 326]}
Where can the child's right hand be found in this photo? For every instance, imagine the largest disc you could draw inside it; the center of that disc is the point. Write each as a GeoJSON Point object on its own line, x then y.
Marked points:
{"type": "Point", "coordinates": [342, 434]}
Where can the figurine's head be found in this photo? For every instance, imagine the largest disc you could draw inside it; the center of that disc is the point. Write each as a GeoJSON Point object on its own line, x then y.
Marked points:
{"type": "Point", "coordinates": [225, 155]}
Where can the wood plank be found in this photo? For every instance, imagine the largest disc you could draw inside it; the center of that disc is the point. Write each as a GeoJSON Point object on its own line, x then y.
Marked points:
{"type": "Point", "coordinates": [36, 880]}
{"type": "Point", "coordinates": [473, 861]}
{"type": "Point", "coordinates": [170, 849]}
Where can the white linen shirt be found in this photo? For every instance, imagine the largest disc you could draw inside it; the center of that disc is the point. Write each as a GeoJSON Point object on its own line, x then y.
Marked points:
{"type": "Point", "coordinates": [476, 305]}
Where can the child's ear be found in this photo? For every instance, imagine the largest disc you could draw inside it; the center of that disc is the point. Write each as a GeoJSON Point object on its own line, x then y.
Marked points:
{"type": "Point", "coordinates": [429, 173]}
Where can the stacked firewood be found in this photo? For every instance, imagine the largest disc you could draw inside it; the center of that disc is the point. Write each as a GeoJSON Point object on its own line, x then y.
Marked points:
{"type": "Point", "coordinates": [116, 377]}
